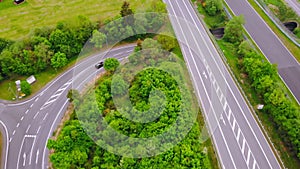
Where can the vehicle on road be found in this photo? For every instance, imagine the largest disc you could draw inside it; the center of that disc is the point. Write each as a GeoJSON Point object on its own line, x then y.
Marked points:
{"type": "Point", "coordinates": [99, 65]}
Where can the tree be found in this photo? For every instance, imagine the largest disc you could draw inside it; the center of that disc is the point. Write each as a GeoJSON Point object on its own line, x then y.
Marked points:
{"type": "Point", "coordinates": [4, 43]}
{"type": "Point", "coordinates": [59, 60]}
{"type": "Point", "coordinates": [98, 39]}
{"type": "Point", "coordinates": [244, 48]}
{"type": "Point", "coordinates": [233, 32]}
{"type": "Point", "coordinates": [25, 87]}
{"type": "Point", "coordinates": [118, 86]}
{"type": "Point", "coordinates": [43, 54]}
{"type": "Point", "coordinates": [73, 95]}
{"type": "Point", "coordinates": [111, 64]}
{"type": "Point", "coordinates": [158, 6]}
{"type": "Point", "coordinates": [167, 42]}
{"type": "Point", "coordinates": [212, 7]}
{"type": "Point", "coordinates": [127, 13]}
{"type": "Point", "coordinates": [126, 10]}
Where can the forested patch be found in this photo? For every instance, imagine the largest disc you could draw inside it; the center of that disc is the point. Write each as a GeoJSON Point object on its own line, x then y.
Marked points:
{"type": "Point", "coordinates": [99, 108]}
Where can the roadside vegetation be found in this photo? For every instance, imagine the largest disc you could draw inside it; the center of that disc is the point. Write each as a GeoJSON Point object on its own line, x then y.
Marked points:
{"type": "Point", "coordinates": [262, 85]}
{"type": "Point", "coordinates": [48, 50]}
{"type": "Point", "coordinates": [214, 17]}
{"type": "Point", "coordinates": [78, 150]}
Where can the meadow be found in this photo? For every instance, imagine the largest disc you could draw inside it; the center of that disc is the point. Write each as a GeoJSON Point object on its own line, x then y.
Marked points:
{"type": "Point", "coordinates": [17, 21]}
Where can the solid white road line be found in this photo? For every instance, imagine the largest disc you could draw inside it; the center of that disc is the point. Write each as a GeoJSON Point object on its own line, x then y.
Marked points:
{"type": "Point", "coordinates": [232, 92]}
{"type": "Point", "coordinates": [20, 152]}
{"type": "Point", "coordinates": [7, 143]}
{"type": "Point", "coordinates": [30, 159]}
{"type": "Point", "coordinates": [202, 84]}
{"type": "Point", "coordinates": [50, 131]}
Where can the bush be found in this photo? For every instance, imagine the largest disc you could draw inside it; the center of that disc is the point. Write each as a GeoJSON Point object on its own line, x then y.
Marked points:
{"type": "Point", "coordinates": [212, 7]}
{"type": "Point", "coordinates": [233, 32]}
{"type": "Point", "coordinates": [25, 88]}
{"type": "Point", "coordinates": [111, 64]}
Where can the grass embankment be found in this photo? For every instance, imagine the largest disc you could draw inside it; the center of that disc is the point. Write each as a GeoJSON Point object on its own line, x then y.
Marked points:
{"type": "Point", "coordinates": [18, 20]}
{"type": "Point", "coordinates": [230, 52]}
{"type": "Point", "coordinates": [295, 50]}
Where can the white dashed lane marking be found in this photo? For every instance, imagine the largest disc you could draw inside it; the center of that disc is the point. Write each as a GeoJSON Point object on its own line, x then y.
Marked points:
{"type": "Point", "coordinates": [234, 124]}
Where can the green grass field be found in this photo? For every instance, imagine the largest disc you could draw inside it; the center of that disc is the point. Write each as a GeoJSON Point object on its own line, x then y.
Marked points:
{"type": "Point", "coordinates": [17, 21]}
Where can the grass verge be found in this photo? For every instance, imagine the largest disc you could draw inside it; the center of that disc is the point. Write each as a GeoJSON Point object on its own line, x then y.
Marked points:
{"type": "Point", "coordinates": [295, 50]}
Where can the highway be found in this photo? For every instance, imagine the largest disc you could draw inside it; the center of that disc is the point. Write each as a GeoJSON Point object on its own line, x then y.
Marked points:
{"type": "Point", "coordinates": [238, 140]}
{"type": "Point", "coordinates": [269, 44]}
{"type": "Point", "coordinates": [295, 5]}
{"type": "Point", "coordinates": [28, 125]}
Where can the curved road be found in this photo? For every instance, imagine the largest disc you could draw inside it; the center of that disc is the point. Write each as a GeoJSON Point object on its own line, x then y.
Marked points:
{"type": "Point", "coordinates": [29, 124]}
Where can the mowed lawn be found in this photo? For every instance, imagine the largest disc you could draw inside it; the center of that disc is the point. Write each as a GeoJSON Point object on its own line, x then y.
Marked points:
{"type": "Point", "coordinates": [17, 21]}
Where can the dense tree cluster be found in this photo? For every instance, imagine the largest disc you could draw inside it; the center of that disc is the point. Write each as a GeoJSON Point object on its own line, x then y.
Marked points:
{"type": "Point", "coordinates": [46, 47]}
{"type": "Point", "coordinates": [212, 7]}
{"type": "Point", "coordinates": [73, 142]}
{"type": "Point", "coordinates": [233, 32]}
{"type": "Point", "coordinates": [264, 79]}
{"type": "Point", "coordinates": [285, 114]}
{"type": "Point", "coordinates": [167, 41]}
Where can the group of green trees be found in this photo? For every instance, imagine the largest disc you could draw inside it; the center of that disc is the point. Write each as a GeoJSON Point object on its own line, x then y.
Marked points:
{"type": "Point", "coordinates": [265, 81]}
{"type": "Point", "coordinates": [212, 7]}
{"type": "Point", "coordinates": [75, 149]}
{"type": "Point", "coordinates": [46, 47]}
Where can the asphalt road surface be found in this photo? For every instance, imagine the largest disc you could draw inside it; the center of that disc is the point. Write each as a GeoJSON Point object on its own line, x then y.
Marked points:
{"type": "Point", "coordinates": [270, 45]}
{"type": "Point", "coordinates": [28, 125]}
{"type": "Point", "coordinates": [237, 137]}
{"type": "Point", "coordinates": [295, 5]}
